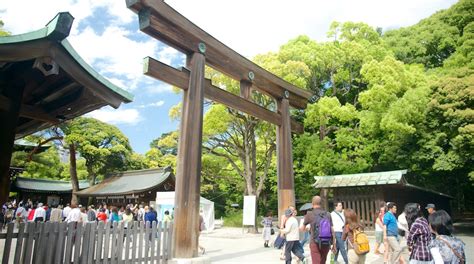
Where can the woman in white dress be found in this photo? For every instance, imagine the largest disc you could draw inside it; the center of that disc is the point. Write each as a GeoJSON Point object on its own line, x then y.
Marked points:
{"type": "Point", "coordinates": [267, 223]}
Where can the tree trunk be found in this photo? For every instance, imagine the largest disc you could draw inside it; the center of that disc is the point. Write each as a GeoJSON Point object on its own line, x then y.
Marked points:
{"type": "Point", "coordinates": [92, 176]}
{"type": "Point", "coordinates": [73, 173]}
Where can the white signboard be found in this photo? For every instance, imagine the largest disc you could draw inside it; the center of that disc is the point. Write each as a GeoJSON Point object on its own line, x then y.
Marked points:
{"type": "Point", "coordinates": [249, 210]}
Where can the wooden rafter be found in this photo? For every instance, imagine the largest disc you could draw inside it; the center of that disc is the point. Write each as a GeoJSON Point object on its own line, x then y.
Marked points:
{"type": "Point", "coordinates": [29, 111]}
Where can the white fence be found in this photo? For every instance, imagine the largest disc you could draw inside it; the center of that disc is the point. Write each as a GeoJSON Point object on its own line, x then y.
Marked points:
{"type": "Point", "coordinates": [88, 243]}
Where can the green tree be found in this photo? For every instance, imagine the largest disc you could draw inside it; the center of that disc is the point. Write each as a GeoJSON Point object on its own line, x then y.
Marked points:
{"type": "Point", "coordinates": [103, 146]}
{"type": "Point", "coordinates": [433, 39]}
{"type": "Point", "coordinates": [163, 151]}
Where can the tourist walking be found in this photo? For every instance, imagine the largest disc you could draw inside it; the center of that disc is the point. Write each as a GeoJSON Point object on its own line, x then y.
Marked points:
{"type": "Point", "coordinates": [31, 213]}
{"type": "Point", "coordinates": [322, 236]}
{"type": "Point", "coordinates": [431, 208]}
{"type": "Point", "coordinates": [403, 235]}
{"type": "Point", "coordinates": [91, 214]}
{"type": "Point", "coordinates": [66, 211]}
{"type": "Point", "coordinates": [445, 248]}
{"type": "Point", "coordinates": [74, 215]}
{"type": "Point", "coordinates": [267, 224]}
{"type": "Point", "coordinates": [167, 217]}
{"type": "Point", "coordinates": [21, 213]}
{"type": "Point", "coordinates": [83, 214]}
{"type": "Point", "coordinates": [39, 214]}
{"type": "Point", "coordinates": [114, 216]}
{"type": "Point", "coordinates": [292, 235]}
{"type": "Point", "coordinates": [56, 214]}
{"type": "Point", "coordinates": [338, 222]}
{"type": "Point", "coordinates": [419, 235]}
{"type": "Point", "coordinates": [102, 216]}
{"type": "Point", "coordinates": [391, 232]}
{"type": "Point", "coordinates": [379, 229]}
{"type": "Point", "coordinates": [127, 218]}
{"type": "Point", "coordinates": [150, 215]}
{"type": "Point", "coordinates": [352, 226]}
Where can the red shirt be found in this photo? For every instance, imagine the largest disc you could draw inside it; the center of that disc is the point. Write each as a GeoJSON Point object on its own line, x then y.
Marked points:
{"type": "Point", "coordinates": [102, 216]}
{"type": "Point", "coordinates": [31, 214]}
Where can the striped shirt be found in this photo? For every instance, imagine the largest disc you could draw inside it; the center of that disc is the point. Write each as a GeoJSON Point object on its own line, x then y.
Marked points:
{"type": "Point", "coordinates": [418, 239]}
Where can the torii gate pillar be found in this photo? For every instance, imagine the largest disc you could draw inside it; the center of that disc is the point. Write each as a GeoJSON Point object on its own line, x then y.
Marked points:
{"type": "Point", "coordinates": [188, 172]}
{"type": "Point", "coordinates": [286, 190]}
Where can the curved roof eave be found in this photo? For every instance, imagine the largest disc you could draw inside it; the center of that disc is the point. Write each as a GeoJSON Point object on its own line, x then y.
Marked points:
{"type": "Point", "coordinates": [55, 33]}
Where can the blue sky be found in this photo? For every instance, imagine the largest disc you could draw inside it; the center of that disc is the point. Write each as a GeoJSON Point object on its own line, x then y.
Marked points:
{"type": "Point", "coordinates": [105, 33]}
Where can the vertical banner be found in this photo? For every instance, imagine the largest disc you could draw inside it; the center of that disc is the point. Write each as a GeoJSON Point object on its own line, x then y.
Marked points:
{"type": "Point", "coordinates": [249, 210]}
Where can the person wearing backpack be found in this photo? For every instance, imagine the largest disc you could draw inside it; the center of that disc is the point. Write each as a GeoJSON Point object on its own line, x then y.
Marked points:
{"type": "Point", "coordinates": [357, 240]}
{"type": "Point", "coordinates": [338, 221]}
{"type": "Point", "coordinates": [322, 233]}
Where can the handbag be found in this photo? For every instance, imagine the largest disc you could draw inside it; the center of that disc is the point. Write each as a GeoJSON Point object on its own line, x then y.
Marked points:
{"type": "Point", "coordinates": [279, 242]}
{"type": "Point", "coordinates": [272, 231]}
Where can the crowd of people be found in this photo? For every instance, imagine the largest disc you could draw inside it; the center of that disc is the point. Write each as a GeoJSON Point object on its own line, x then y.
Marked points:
{"type": "Point", "coordinates": [27, 211]}
{"type": "Point", "coordinates": [409, 238]}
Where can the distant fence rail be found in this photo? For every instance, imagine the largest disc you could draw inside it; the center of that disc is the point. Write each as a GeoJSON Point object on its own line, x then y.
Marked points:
{"type": "Point", "coordinates": [87, 243]}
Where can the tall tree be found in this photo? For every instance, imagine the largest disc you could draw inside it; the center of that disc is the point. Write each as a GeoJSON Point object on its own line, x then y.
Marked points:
{"type": "Point", "coordinates": [103, 146]}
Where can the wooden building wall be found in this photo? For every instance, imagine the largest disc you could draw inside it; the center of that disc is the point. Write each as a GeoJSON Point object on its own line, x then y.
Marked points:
{"type": "Point", "coordinates": [363, 200]}
{"type": "Point", "coordinates": [366, 200]}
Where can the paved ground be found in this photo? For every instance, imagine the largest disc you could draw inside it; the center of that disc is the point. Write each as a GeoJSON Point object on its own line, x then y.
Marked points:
{"type": "Point", "coordinates": [231, 245]}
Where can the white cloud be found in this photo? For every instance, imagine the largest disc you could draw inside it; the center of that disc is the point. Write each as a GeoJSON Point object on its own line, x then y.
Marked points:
{"type": "Point", "coordinates": [155, 104]}
{"type": "Point", "coordinates": [117, 116]}
{"type": "Point", "coordinates": [158, 104]}
{"type": "Point", "coordinates": [114, 53]}
{"type": "Point", "coordinates": [154, 87]}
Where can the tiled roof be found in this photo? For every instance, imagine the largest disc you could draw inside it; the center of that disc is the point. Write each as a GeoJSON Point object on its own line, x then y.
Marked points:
{"type": "Point", "coordinates": [45, 185]}
{"type": "Point", "coordinates": [129, 182]}
{"type": "Point", "coordinates": [369, 179]}
{"type": "Point", "coordinates": [360, 179]}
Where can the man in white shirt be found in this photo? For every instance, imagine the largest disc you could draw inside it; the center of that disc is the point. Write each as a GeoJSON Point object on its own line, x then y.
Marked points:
{"type": "Point", "coordinates": [292, 233]}
{"type": "Point", "coordinates": [74, 215]}
{"type": "Point", "coordinates": [338, 221]}
{"type": "Point", "coordinates": [66, 211]}
{"type": "Point", "coordinates": [40, 214]}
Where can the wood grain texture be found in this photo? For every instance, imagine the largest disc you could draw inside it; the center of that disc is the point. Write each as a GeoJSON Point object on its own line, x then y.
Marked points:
{"type": "Point", "coordinates": [286, 193]}
{"type": "Point", "coordinates": [188, 172]}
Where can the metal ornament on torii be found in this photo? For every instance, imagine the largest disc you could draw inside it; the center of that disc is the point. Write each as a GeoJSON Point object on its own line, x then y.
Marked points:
{"type": "Point", "coordinates": [162, 22]}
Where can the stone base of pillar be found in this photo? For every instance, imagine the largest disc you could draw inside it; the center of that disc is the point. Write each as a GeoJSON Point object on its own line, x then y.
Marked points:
{"type": "Point", "coordinates": [198, 260]}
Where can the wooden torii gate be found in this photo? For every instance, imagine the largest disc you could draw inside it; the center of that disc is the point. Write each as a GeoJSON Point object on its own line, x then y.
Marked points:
{"type": "Point", "coordinates": [162, 22]}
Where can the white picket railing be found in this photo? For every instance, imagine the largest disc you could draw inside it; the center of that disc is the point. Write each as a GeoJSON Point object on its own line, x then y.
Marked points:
{"type": "Point", "coordinates": [87, 243]}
